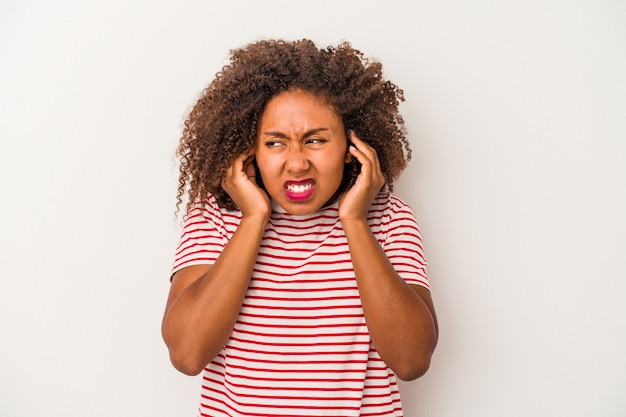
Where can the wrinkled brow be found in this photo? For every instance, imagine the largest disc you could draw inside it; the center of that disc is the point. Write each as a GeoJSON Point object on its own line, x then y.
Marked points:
{"type": "Point", "coordinates": [278, 134]}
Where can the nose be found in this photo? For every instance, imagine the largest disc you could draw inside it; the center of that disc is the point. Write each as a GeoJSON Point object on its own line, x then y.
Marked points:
{"type": "Point", "coordinates": [297, 160]}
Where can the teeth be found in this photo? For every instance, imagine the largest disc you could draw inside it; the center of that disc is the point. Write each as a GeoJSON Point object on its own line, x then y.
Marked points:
{"type": "Point", "coordinates": [293, 188]}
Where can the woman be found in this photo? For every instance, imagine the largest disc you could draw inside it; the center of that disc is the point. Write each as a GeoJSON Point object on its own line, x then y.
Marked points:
{"type": "Point", "coordinates": [299, 285]}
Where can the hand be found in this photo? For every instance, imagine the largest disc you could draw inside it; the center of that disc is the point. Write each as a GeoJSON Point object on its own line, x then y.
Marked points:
{"type": "Point", "coordinates": [240, 184]}
{"type": "Point", "coordinates": [355, 203]}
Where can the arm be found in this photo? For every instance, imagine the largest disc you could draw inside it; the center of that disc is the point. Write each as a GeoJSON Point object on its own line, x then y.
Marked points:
{"type": "Point", "coordinates": [204, 300]}
{"type": "Point", "coordinates": [400, 317]}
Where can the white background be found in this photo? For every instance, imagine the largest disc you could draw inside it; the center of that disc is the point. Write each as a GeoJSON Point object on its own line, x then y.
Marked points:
{"type": "Point", "coordinates": [517, 116]}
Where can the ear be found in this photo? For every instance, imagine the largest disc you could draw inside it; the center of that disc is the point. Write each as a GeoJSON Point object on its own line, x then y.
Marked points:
{"type": "Point", "coordinates": [348, 157]}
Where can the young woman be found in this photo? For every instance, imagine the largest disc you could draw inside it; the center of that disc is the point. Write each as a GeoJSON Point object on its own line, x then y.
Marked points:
{"type": "Point", "coordinates": [299, 286]}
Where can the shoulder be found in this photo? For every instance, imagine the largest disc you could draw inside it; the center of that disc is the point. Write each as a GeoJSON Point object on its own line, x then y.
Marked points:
{"type": "Point", "coordinates": [207, 210]}
{"type": "Point", "coordinates": [390, 203]}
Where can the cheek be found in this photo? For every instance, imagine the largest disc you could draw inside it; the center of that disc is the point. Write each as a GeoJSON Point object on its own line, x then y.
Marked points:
{"type": "Point", "coordinates": [332, 171]}
{"type": "Point", "coordinates": [264, 167]}
{"type": "Point", "coordinates": [339, 161]}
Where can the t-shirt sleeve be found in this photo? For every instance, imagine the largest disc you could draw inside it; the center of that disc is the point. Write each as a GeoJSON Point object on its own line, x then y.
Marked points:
{"type": "Point", "coordinates": [202, 239]}
{"type": "Point", "coordinates": [403, 245]}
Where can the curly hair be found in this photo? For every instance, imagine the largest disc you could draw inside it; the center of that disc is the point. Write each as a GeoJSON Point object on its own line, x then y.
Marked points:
{"type": "Point", "coordinates": [223, 123]}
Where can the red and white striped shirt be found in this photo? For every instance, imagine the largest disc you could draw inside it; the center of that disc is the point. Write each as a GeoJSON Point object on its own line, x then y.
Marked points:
{"type": "Point", "coordinates": [300, 346]}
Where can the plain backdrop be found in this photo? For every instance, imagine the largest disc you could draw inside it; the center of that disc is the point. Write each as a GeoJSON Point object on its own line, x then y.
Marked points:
{"type": "Point", "coordinates": [516, 112]}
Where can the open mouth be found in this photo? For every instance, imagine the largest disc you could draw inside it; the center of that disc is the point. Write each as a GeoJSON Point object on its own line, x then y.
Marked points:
{"type": "Point", "coordinates": [299, 190]}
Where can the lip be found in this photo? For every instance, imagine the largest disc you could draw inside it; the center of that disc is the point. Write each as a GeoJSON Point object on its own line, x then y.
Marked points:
{"type": "Point", "coordinates": [297, 191]}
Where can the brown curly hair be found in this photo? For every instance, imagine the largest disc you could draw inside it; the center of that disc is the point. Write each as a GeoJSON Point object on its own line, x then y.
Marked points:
{"type": "Point", "coordinates": [223, 123]}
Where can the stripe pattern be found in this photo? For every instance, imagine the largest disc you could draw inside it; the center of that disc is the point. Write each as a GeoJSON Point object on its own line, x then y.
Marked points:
{"type": "Point", "coordinates": [300, 346]}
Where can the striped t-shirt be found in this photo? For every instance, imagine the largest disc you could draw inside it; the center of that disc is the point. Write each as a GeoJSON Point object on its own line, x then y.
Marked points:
{"type": "Point", "coordinates": [300, 346]}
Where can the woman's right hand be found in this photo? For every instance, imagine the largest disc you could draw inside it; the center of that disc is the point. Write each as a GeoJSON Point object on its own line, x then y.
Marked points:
{"type": "Point", "coordinates": [205, 300]}
{"type": "Point", "coordinates": [240, 184]}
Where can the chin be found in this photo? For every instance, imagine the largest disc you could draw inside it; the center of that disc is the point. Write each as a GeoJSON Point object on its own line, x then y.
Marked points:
{"type": "Point", "coordinates": [299, 208]}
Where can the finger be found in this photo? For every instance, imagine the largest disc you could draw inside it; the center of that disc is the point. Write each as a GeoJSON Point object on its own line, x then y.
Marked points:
{"type": "Point", "coordinates": [368, 157]}
{"type": "Point", "coordinates": [366, 148]}
{"type": "Point", "coordinates": [363, 152]}
{"type": "Point", "coordinates": [360, 144]}
{"type": "Point", "coordinates": [235, 167]}
{"type": "Point", "coordinates": [250, 168]}
{"type": "Point", "coordinates": [239, 164]}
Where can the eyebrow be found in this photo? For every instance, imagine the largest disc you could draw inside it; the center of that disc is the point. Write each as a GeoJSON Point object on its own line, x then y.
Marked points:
{"type": "Point", "coordinates": [306, 134]}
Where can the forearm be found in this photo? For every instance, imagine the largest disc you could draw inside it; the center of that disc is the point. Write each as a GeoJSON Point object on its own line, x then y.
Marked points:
{"type": "Point", "coordinates": [401, 322]}
{"type": "Point", "coordinates": [200, 319]}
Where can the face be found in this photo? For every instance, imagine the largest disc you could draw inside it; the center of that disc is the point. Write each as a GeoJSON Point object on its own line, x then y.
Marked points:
{"type": "Point", "coordinates": [300, 151]}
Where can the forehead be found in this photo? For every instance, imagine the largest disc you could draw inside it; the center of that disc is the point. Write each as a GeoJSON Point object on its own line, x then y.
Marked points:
{"type": "Point", "coordinates": [299, 105]}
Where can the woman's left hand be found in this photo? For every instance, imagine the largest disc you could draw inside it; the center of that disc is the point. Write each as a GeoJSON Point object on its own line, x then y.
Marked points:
{"type": "Point", "coordinates": [355, 203]}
